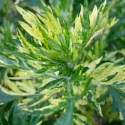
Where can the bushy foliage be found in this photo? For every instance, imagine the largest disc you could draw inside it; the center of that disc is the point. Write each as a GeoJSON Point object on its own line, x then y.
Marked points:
{"type": "Point", "coordinates": [62, 67]}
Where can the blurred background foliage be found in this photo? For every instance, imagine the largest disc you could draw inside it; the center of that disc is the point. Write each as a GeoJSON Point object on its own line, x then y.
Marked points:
{"type": "Point", "coordinates": [113, 43]}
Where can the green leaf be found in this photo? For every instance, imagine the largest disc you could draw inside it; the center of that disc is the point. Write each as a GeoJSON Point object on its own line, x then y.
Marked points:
{"type": "Point", "coordinates": [104, 96]}
{"type": "Point", "coordinates": [108, 74]}
{"type": "Point", "coordinates": [17, 116]}
{"type": "Point", "coordinates": [28, 16]}
{"type": "Point", "coordinates": [117, 103]}
{"type": "Point", "coordinates": [93, 65]}
{"type": "Point", "coordinates": [8, 62]}
{"type": "Point", "coordinates": [49, 84]}
{"type": "Point", "coordinates": [93, 17]}
{"type": "Point", "coordinates": [6, 96]}
{"type": "Point", "coordinates": [94, 35]}
{"type": "Point", "coordinates": [92, 99]}
{"type": "Point", "coordinates": [12, 118]}
{"type": "Point", "coordinates": [47, 109]}
{"type": "Point", "coordinates": [80, 119]}
{"type": "Point", "coordinates": [29, 47]}
{"type": "Point", "coordinates": [62, 54]}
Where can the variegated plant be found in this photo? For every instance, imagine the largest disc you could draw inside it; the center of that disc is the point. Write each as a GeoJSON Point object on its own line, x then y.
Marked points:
{"type": "Point", "coordinates": [61, 79]}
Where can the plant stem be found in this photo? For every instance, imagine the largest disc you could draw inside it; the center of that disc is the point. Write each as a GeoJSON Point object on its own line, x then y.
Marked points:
{"type": "Point", "coordinates": [69, 85]}
{"type": "Point", "coordinates": [70, 97]}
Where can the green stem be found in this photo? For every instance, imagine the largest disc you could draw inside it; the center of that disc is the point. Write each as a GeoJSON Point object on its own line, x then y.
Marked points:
{"type": "Point", "coordinates": [70, 97]}
{"type": "Point", "coordinates": [69, 87]}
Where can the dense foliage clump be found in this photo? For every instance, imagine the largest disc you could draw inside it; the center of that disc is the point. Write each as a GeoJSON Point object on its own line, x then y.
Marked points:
{"type": "Point", "coordinates": [61, 68]}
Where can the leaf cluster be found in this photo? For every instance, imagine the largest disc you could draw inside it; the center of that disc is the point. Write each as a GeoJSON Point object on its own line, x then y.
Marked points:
{"type": "Point", "coordinates": [62, 68]}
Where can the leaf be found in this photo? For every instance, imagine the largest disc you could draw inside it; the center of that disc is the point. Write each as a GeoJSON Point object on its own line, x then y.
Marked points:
{"type": "Point", "coordinates": [28, 16]}
{"type": "Point", "coordinates": [17, 116]}
{"type": "Point", "coordinates": [93, 17]}
{"type": "Point", "coordinates": [13, 86]}
{"type": "Point", "coordinates": [22, 55]}
{"type": "Point", "coordinates": [29, 47]}
{"type": "Point", "coordinates": [117, 101]}
{"type": "Point", "coordinates": [103, 72]}
{"type": "Point", "coordinates": [81, 119]}
{"type": "Point", "coordinates": [8, 62]}
{"type": "Point", "coordinates": [12, 118]}
{"type": "Point", "coordinates": [102, 6]}
{"type": "Point", "coordinates": [49, 109]}
{"type": "Point", "coordinates": [6, 96]}
{"type": "Point", "coordinates": [108, 74]}
{"type": "Point", "coordinates": [49, 84]}
{"type": "Point", "coordinates": [122, 84]}
{"type": "Point", "coordinates": [93, 65]}
{"type": "Point", "coordinates": [104, 96]}
{"type": "Point", "coordinates": [92, 99]}
{"type": "Point", "coordinates": [60, 53]}
{"type": "Point", "coordinates": [48, 94]}
{"type": "Point", "coordinates": [94, 35]}
{"type": "Point", "coordinates": [118, 77]}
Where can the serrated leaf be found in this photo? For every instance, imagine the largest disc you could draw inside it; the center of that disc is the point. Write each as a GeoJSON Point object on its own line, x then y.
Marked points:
{"type": "Point", "coordinates": [118, 77]}
{"type": "Point", "coordinates": [92, 99]}
{"type": "Point", "coordinates": [29, 47]}
{"type": "Point", "coordinates": [6, 96]}
{"type": "Point", "coordinates": [104, 96]}
{"type": "Point", "coordinates": [81, 119]}
{"type": "Point", "coordinates": [12, 118]}
{"type": "Point", "coordinates": [48, 94]}
{"type": "Point", "coordinates": [49, 84]}
{"type": "Point", "coordinates": [17, 116]}
{"type": "Point", "coordinates": [117, 102]}
{"type": "Point", "coordinates": [94, 35]}
{"type": "Point", "coordinates": [47, 109]}
{"type": "Point", "coordinates": [93, 65]}
{"type": "Point", "coordinates": [103, 72]}
{"type": "Point", "coordinates": [8, 62]}
{"type": "Point", "coordinates": [28, 16]}
{"type": "Point", "coordinates": [93, 17]}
